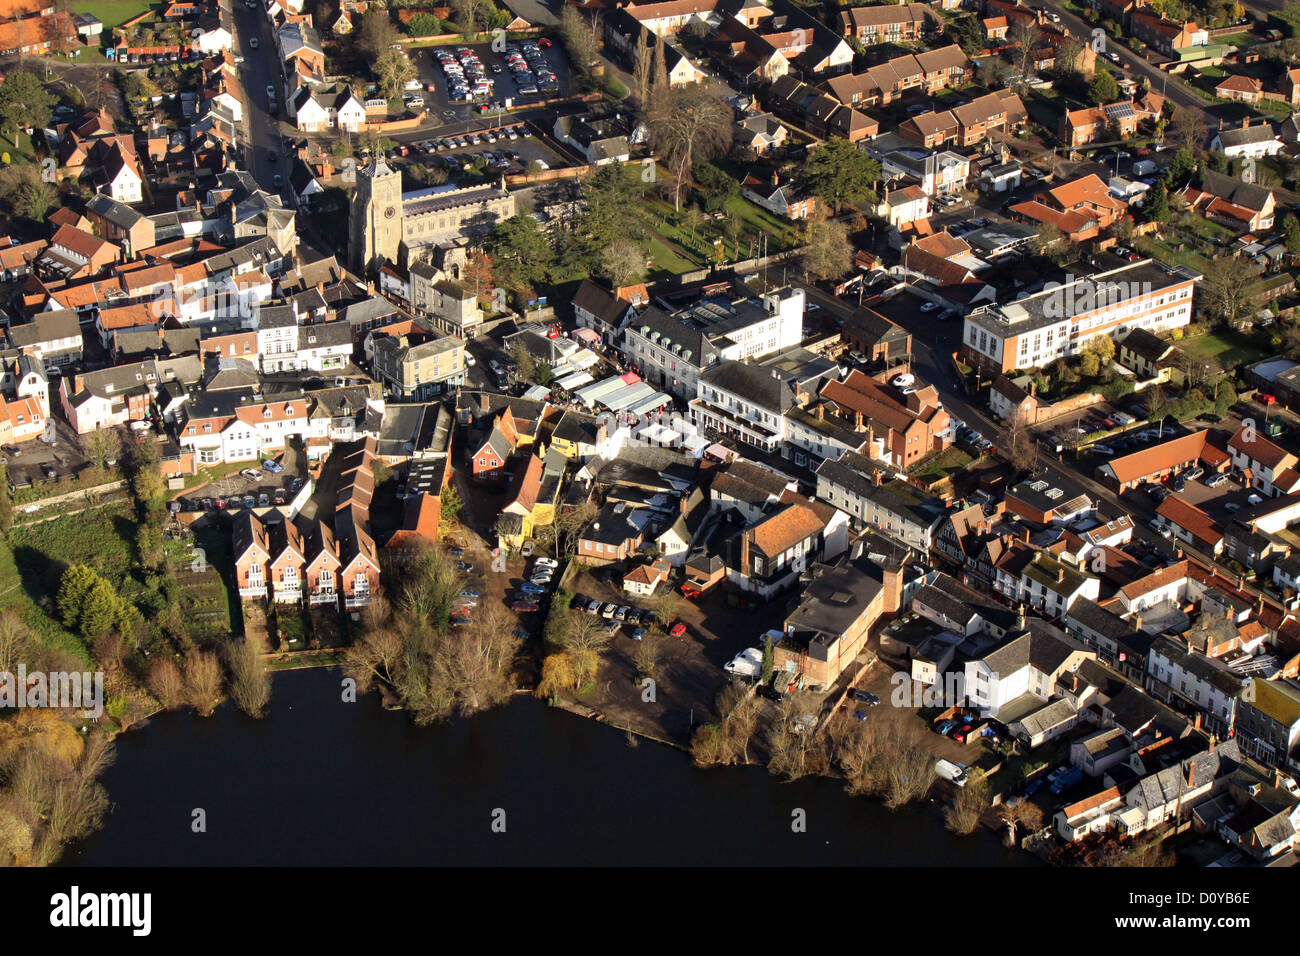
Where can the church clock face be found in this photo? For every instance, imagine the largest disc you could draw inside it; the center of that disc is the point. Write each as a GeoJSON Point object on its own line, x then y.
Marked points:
{"type": "Point", "coordinates": [390, 212]}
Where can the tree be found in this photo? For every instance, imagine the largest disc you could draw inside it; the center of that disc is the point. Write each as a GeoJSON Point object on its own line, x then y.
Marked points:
{"type": "Point", "coordinates": [250, 681]}
{"type": "Point", "coordinates": [470, 15]}
{"type": "Point", "coordinates": [377, 34]}
{"type": "Point", "coordinates": [1186, 129]}
{"type": "Point", "coordinates": [1154, 206]}
{"type": "Point", "coordinates": [451, 504]}
{"type": "Point", "coordinates": [641, 64]}
{"type": "Point", "coordinates": [694, 123]}
{"type": "Point", "coordinates": [523, 361]}
{"type": "Point", "coordinates": [1067, 56]}
{"type": "Point", "coordinates": [25, 192]}
{"type": "Point", "coordinates": [714, 188]}
{"type": "Point", "coordinates": [827, 253]}
{"type": "Point", "coordinates": [1181, 167]}
{"type": "Point", "coordinates": [769, 659]}
{"type": "Point", "coordinates": [392, 70]}
{"type": "Point", "coordinates": [1022, 815]}
{"type": "Point", "coordinates": [623, 264]}
{"type": "Point", "coordinates": [202, 673]}
{"type": "Point", "coordinates": [839, 172]}
{"type": "Point", "coordinates": [6, 502]}
{"type": "Point", "coordinates": [1050, 244]}
{"type": "Point", "coordinates": [962, 816]}
{"type": "Point", "coordinates": [580, 40]}
{"type": "Point", "coordinates": [521, 252]}
{"type": "Point", "coordinates": [424, 24]}
{"type": "Point", "coordinates": [1291, 226]}
{"type": "Point", "coordinates": [1227, 279]}
{"type": "Point", "coordinates": [102, 446]}
{"type": "Point", "coordinates": [1103, 88]}
{"type": "Point", "coordinates": [1027, 37]}
{"type": "Point", "coordinates": [165, 682]}
{"type": "Point", "coordinates": [24, 102]}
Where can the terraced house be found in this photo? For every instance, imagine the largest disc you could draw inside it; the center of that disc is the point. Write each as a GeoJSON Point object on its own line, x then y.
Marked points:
{"type": "Point", "coordinates": [880, 85]}
{"type": "Point", "coordinates": [967, 125]}
{"type": "Point", "coordinates": [889, 23]}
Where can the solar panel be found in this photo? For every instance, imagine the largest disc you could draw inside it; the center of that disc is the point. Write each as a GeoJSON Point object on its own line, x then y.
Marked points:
{"type": "Point", "coordinates": [1119, 110]}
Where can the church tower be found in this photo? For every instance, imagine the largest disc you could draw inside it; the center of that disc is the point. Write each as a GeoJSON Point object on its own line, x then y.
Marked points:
{"type": "Point", "coordinates": [375, 219]}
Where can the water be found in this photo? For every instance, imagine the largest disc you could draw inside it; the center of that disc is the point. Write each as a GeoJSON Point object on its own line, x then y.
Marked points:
{"type": "Point", "coordinates": [321, 782]}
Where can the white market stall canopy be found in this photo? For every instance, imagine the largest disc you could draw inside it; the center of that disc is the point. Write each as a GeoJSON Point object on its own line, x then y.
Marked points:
{"type": "Point", "coordinates": [570, 382]}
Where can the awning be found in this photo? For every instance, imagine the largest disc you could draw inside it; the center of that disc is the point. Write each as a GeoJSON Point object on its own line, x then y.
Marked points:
{"type": "Point", "coordinates": [576, 380]}
{"type": "Point", "coordinates": [586, 336]}
{"type": "Point", "coordinates": [537, 393]}
{"type": "Point", "coordinates": [630, 377]}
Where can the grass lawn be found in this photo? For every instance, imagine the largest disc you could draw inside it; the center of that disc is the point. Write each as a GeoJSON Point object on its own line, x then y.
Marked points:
{"type": "Point", "coordinates": [110, 12]}
{"type": "Point", "coordinates": [941, 465]}
{"type": "Point", "coordinates": [1237, 39]}
{"type": "Point", "coordinates": [1164, 250]}
{"type": "Point", "coordinates": [1226, 349]}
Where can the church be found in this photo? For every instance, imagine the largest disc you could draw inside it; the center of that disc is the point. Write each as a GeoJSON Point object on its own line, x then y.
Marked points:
{"type": "Point", "coordinates": [388, 225]}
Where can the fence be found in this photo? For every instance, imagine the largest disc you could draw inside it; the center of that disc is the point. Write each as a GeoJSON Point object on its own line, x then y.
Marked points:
{"type": "Point", "coordinates": [84, 493]}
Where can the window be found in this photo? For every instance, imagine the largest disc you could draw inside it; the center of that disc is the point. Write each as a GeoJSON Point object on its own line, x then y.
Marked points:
{"type": "Point", "coordinates": [255, 578]}
{"type": "Point", "coordinates": [325, 581]}
{"type": "Point", "coordinates": [361, 583]}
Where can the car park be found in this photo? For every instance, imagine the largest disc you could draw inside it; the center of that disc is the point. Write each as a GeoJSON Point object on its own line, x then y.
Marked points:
{"type": "Point", "coordinates": [1215, 480]}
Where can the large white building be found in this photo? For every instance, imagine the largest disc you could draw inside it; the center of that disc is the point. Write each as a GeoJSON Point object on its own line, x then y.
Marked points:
{"type": "Point", "coordinates": [1058, 321]}
{"type": "Point", "coordinates": [670, 350]}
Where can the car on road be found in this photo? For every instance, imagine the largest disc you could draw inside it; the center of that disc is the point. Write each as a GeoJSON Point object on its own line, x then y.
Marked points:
{"type": "Point", "coordinates": [253, 43]}
{"type": "Point", "coordinates": [929, 306]}
{"type": "Point", "coordinates": [277, 180]}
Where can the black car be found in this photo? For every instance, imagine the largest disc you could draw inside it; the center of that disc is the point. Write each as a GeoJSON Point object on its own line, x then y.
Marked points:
{"type": "Point", "coordinates": [464, 566]}
{"type": "Point", "coordinates": [865, 697]}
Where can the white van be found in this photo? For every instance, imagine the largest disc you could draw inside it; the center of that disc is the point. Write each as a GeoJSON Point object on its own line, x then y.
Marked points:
{"type": "Point", "coordinates": [954, 772]}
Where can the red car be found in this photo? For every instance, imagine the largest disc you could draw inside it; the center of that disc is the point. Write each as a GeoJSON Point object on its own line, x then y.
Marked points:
{"type": "Point", "coordinates": [690, 591]}
{"type": "Point", "coordinates": [520, 604]}
{"type": "Point", "coordinates": [677, 628]}
{"type": "Point", "coordinates": [544, 43]}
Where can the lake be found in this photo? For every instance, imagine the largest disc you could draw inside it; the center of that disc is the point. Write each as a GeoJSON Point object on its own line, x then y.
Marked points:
{"type": "Point", "coordinates": [321, 782]}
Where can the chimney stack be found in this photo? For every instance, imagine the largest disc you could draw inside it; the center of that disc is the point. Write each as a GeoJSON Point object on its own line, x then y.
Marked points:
{"type": "Point", "coordinates": [876, 474]}
{"type": "Point", "coordinates": [1060, 575]}
{"type": "Point", "coordinates": [1245, 122]}
{"type": "Point", "coordinates": [821, 417]}
{"type": "Point", "coordinates": [1137, 621]}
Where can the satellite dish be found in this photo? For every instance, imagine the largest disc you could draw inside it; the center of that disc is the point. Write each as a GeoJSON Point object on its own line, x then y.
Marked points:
{"type": "Point", "coordinates": [196, 32]}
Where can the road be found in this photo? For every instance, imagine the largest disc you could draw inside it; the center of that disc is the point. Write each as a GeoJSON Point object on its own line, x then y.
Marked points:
{"type": "Point", "coordinates": [1134, 65]}
{"type": "Point", "coordinates": [261, 68]}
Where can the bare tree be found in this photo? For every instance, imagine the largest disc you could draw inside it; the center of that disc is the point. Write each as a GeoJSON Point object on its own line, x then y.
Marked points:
{"type": "Point", "coordinates": [14, 638]}
{"type": "Point", "coordinates": [166, 683]}
{"type": "Point", "coordinates": [641, 68]}
{"type": "Point", "coordinates": [693, 124]}
{"type": "Point", "coordinates": [1022, 815]}
{"type": "Point", "coordinates": [968, 804]}
{"type": "Point", "coordinates": [202, 681]}
{"type": "Point", "coordinates": [250, 681]}
{"type": "Point", "coordinates": [1027, 37]}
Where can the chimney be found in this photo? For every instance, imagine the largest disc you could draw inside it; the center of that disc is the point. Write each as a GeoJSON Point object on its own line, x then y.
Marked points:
{"type": "Point", "coordinates": [1214, 742]}
{"type": "Point", "coordinates": [857, 422]}
{"type": "Point", "coordinates": [776, 177]}
{"type": "Point", "coordinates": [1137, 621]}
{"type": "Point", "coordinates": [1245, 122]}
{"type": "Point", "coordinates": [876, 474]}
{"type": "Point", "coordinates": [1060, 575]}
{"type": "Point", "coordinates": [821, 417]}
{"type": "Point", "coordinates": [1191, 767]}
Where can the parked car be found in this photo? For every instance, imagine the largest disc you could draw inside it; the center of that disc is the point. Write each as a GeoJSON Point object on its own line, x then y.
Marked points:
{"type": "Point", "coordinates": [523, 604]}
{"type": "Point", "coordinates": [274, 467]}
{"type": "Point", "coordinates": [528, 587]}
{"type": "Point", "coordinates": [638, 633]}
{"type": "Point", "coordinates": [546, 563]}
{"type": "Point", "coordinates": [677, 628]}
{"type": "Point", "coordinates": [593, 608]}
{"type": "Point", "coordinates": [608, 610]}
{"type": "Point", "coordinates": [1254, 500]}
{"type": "Point", "coordinates": [1232, 507]}
{"type": "Point", "coordinates": [465, 567]}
